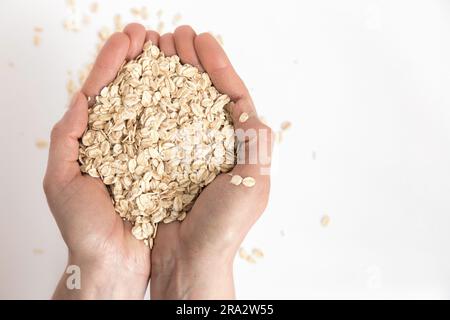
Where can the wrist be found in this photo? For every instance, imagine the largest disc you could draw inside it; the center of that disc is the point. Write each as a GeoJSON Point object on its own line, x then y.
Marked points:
{"type": "Point", "coordinates": [192, 279]}
{"type": "Point", "coordinates": [86, 278]}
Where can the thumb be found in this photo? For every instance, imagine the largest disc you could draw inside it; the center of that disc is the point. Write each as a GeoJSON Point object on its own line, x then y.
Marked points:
{"type": "Point", "coordinates": [62, 164]}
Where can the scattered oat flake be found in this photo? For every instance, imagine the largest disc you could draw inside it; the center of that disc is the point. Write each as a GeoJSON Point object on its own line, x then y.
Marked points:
{"type": "Point", "coordinates": [70, 3]}
{"type": "Point", "coordinates": [257, 253]}
{"type": "Point", "coordinates": [176, 19]}
{"type": "Point", "coordinates": [140, 12]}
{"type": "Point", "coordinates": [11, 64]}
{"type": "Point", "coordinates": [242, 253]}
{"type": "Point", "coordinates": [67, 23]}
{"type": "Point", "coordinates": [38, 251]}
{"type": "Point", "coordinates": [41, 144]}
{"type": "Point", "coordinates": [37, 40]}
{"type": "Point", "coordinates": [70, 24]}
{"type": "Point", "coordinates": [325, 221]}
{"type": "Point", "coordinates": [38, 29]}
{"type": "Point", "coordinates": [285, 125]}
{"type": "Point", "coordinates": [159, 14]}
{"type": "Point", "coordinates": [94, 7]}
{"type": "Point", "coordinates": [144, 13]}
{"type": "Point", "coordinates": [236, 180]}
{"type": "Point", "coordinates": [248, 182]}
{"type": "Point", "coordinates": [243, 117]}
{"type": "Point", "coordinates": [250, 259]}
{"type": "Point", "coordinates": [70, 87]}
{"type": "Point", "coordinates": [279, 137]}
{"type": "Point", "coordinates": [135, 12]}
{"type": "Point", "coordinates": [160, 27]}
{"type": "Point", "coordinates": [133, 145]}
{"type": "Point", "coordinates": [104, 33]}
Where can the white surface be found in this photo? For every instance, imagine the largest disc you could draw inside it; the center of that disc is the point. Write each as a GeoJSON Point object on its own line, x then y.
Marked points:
{"type": "Point", "coordinates": [366, 86]}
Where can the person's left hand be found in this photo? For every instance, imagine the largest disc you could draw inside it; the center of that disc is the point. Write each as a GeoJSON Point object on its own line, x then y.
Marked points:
{"type": "Point", "coordinates": [112, 262]}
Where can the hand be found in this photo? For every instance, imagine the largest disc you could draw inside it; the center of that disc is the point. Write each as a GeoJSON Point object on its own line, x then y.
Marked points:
{"type": "Point", "coordinates": [193, 259]}
{"type": "Point", "coordinates": [113, 264]}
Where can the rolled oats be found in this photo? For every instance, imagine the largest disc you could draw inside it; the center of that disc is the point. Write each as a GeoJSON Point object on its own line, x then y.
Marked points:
{"type": "Point", "coordinates": [37, 40]}
{"type": "Point", "coordinates": [94, 7]}
{"type": "Point", "coordinates": [176, 19]}
{"type": "Point", "coordinates": [160, 27]}
{"type": "Point", "coordinates": [325, 220]}
{"type": "Point", "coordinates": [243, 117]}
{"type": "Point", "coordinates": [285, 125]}
{"type": "Point", "coordinates": [243, 253]}
{"type": "Point", "coordinates": [157, 135]}
{"type": "Point", "coordinates": [250, 257]}
{"type": "Point", "coordinates": [257, 253]}
{"type": "Point", "coordinates": [236, 180]}
{"type": "Point", "coordinates": [41, 144]}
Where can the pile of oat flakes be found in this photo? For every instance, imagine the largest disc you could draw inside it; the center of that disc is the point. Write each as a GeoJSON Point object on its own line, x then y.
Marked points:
{"type": "Point", "coordinates": [157, 135]}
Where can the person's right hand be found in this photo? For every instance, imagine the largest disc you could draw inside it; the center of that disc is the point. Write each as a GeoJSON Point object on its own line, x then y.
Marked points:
{"type": "Point", "coordinates": [193, 259]}
{"type": "Point", "coordinates": [113, 263]}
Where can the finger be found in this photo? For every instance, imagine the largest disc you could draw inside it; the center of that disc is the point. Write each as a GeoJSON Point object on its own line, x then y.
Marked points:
{"type": "Point", "coordinates": [254, 138]}
{"type": "Point", "coordinates": [184, 37]}
{"type": "Point", "coordinates": [107, 64]}
{"type": "Point", "coordinates": [167, 44]}
{"type": "Point", "coordinates": [63, 154]}
{"type": "Point", "coordinates": [136, 32]}
{"type": "Point", "coordinates": [152, 36]}
{"type": "Point", "coordinates": [218, 66]}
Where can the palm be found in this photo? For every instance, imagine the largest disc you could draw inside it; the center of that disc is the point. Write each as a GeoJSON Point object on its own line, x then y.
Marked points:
{"type": "Point", "coordinates": [100, 231]}
{"type": "Point", "coordinates": [223, 213]}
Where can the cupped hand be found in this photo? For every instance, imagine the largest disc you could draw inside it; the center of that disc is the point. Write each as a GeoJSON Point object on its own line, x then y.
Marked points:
{"type": "Point", "coordinates": [193, 259]}
{"type": "Point", "coordinates": [112, 263]}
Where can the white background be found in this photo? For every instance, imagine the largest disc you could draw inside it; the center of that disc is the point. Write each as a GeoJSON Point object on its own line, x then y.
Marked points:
{"type": "Point", "coordinates": [365, 85]}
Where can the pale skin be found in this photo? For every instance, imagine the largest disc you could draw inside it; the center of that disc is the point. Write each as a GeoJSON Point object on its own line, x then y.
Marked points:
{"type": "Point", "coordinates": [113, 264]}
